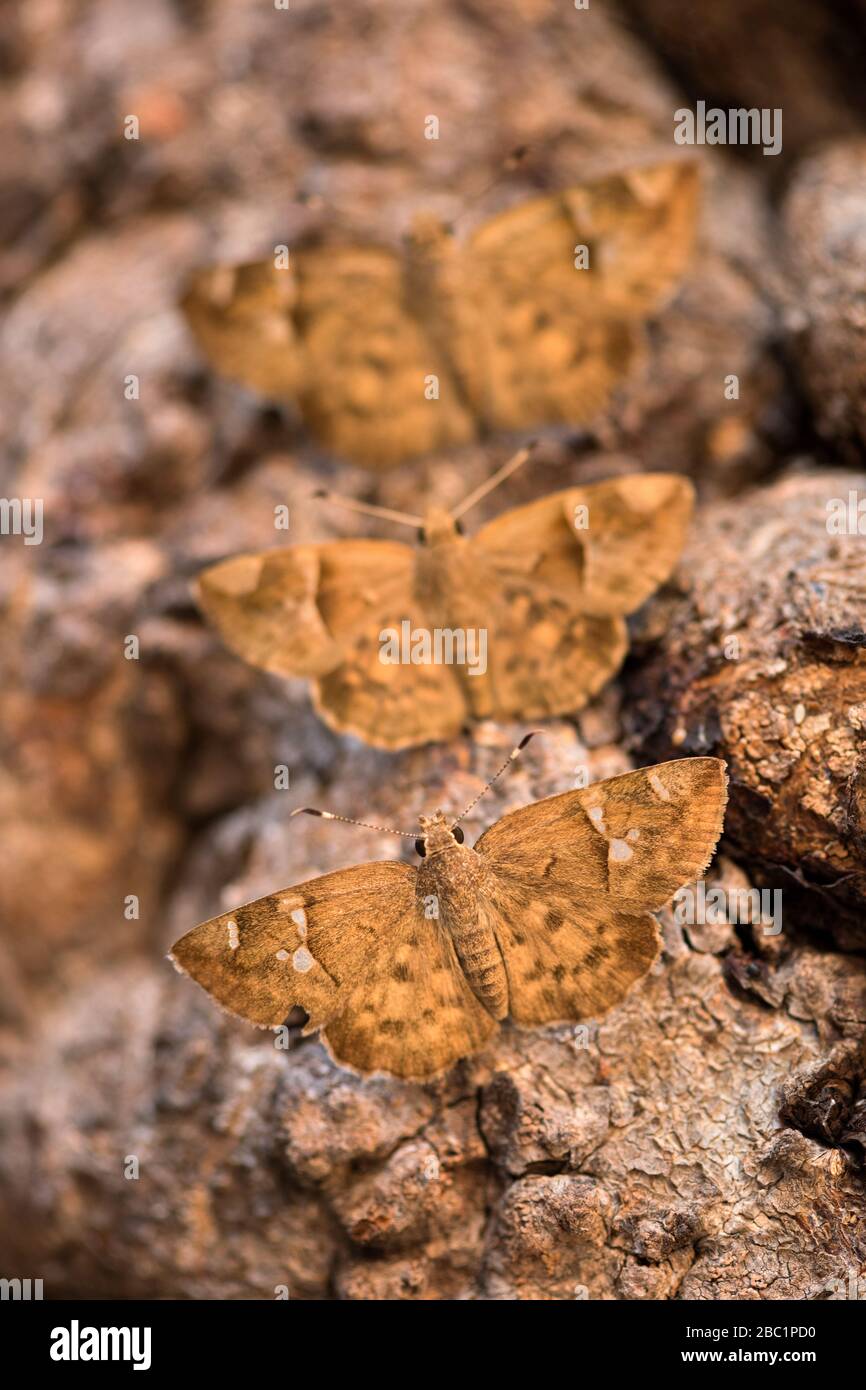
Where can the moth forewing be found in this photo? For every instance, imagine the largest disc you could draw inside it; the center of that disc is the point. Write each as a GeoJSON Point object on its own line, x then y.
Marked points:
{"type": "Point", "coordinates": [240, 959]}
{"type": "Point", "coordinates": [264, 606]}
{"type": "Point", "coordinates": [575, 878]}
{"type": "Point", "coordinates": [242, 318]}
{"type": "Point", "coordinates": [634, 534]}
{"type": "Point", "coordinates": [300, 947]}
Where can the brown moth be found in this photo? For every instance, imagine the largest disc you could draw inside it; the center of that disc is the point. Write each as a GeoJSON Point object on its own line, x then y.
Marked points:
{"type": "Point", "coordinates": [533, 321]}
{"type": "Point", "coordinates": [547, 918]}
{"type": "Point", "coordinates": [547, 594]}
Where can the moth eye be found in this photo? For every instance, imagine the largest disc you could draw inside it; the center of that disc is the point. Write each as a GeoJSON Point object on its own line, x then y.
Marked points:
{"type": "Point", "coordinates": [419, 848]}
{"type": "Point", "coordinates": [458, 834]}
{"type": "Point", "coordinates": [421, 535]}
{"type": "Point", "coordinates": [458, 527]}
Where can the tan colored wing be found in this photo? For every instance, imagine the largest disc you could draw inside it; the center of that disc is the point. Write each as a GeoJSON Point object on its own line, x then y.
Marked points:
{"type": "Point", "coordinates": [417, 1015]}
{"type": "Point", "coordinates": [356, 952]}
{"type": "Point", "coordinates": [641, 224]}
{"type": "Point", "coordinates": [304, 946]}
{"type": "Point", "coordinates": [544, 341]}
{"type": "Point", "coordinates": [370, 364]}
{"type": "Point", "coordinates": [543, 655]}
{"type": "Point", "coordinates": [265, 607]}
{"type": "Point", "coordinates": [368, 590]}
{"type": "Point", "coordinates": [242, 319]}
{"type": "Point", "coordinates": [606, 546]}
{"type": "Point", "coordinates": [390, 706]}
{"type": "Point", "coordinates": [572, 881]}
{"type": "Point", "coordinates": [549, 597]}
{"type": "Point", "coordinates": [321, 611]}
{"type": "Point", "coordinates": [335, 334]}
{"type": "Point", "coordinates": [635, 534]}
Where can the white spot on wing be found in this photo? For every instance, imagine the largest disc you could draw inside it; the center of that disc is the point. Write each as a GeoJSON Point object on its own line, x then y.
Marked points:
{"type": "Point", "coordinates": [596, 815]}
{"type": "Point", "coordinates": [234, 940]}
{"type": "Point", "coordinates": [282, 955]}
{"type": "Point", "coordinates": [299, 917]}
{"type": "Point", "coordinates": [632, 836]}
{"type": "Point", "coordinates": [659, 787]}
{"type": "Point", "coordinates": [620, 851]}
{"type": "Point", "coordinates": [302, 961]}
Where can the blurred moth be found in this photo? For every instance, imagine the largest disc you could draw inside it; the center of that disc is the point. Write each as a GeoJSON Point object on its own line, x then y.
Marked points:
{"type": "Point", "coordinates": [541, 592]}
{"type": "Point", "coordinates": [389, 353]}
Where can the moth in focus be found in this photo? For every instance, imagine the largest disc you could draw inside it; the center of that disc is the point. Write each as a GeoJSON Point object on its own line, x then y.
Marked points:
{"type": "Point", "coordinates": [549, 596]}
{"type": "Point", "coordinates": [533, 321]}
{"type": "Point", "coordinates": [547, 918]}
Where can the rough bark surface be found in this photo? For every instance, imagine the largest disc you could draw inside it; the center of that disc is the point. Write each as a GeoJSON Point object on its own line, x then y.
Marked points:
{"type": "Point", "coordinates": [761, 661]}
{"type": "Point", "coordinates": [706, 1139]}
{"type": "Point", "coordinates": [825, 221]}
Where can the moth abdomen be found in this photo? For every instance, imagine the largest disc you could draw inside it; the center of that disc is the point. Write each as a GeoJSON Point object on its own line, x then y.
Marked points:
{"type": "Point", "coordinates": [452, 877]}
{"type": "Point", "coordinates": [482, 964]}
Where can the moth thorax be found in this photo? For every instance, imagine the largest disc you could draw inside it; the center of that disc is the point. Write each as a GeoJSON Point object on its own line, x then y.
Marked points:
{"type": "Point", "coordinates": [432, 271]}
{"type": "Point", "coordinates": [428, 236]}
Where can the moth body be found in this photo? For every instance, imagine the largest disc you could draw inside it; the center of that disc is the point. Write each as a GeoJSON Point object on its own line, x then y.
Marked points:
{"type": "Point", "coordinates": [453, 592]}
{"type": "Point", "coordinates": [450, 874]}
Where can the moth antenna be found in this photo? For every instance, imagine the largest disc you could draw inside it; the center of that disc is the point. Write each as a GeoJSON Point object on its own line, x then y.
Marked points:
{"type": "Point", "coordinates": [329, 815]}
{"type": "Point", "coordinates": [369, 509]}
{"type": "Point", "coordinates": [512, 756]}
{"type": "Point", "coordinates": [512, 161]}
{"type": "Point", "coordinates": [510, 466]}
